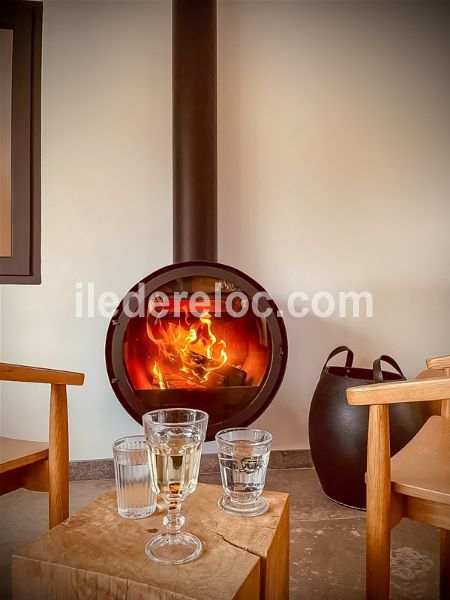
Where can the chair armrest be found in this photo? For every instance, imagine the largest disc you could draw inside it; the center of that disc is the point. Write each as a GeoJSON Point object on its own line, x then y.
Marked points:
{"type": "Point", "coordinates": [36, 375]}
{"type": "Point", "coordinates": [440, 362]}
{"type": "Point", "coordinates": [420, 390]}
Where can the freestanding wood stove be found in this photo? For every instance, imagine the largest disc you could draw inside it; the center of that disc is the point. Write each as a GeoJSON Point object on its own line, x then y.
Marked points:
{"type": "Point", "coordinates": [197, 333]}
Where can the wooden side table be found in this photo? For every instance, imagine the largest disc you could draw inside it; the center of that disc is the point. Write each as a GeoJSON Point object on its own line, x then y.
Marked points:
{"type": "Point", "coordinates": [97, 554]}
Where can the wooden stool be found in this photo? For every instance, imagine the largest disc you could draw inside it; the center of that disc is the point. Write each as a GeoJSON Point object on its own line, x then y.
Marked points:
{"type": "Point", "coordinates": [97, 554]}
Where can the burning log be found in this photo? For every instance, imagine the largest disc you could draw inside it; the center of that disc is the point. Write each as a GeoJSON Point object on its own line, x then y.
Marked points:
{"type": "Point", "coordinates": [174, 381]}
{"type": "Point", "coordinates": [230, 375]}
{"type": "Point", "coordinates": [175, 377]}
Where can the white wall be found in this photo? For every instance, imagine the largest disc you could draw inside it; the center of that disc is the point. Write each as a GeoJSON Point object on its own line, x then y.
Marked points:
{"type": "Point", "coordinates": [334, 155]}
{"type": "Point", "coordinates": [333, 175]}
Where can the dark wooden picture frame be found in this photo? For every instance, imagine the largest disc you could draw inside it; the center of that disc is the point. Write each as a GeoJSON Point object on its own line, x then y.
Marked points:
{"type": "Point", "coordinates": [24, 264]}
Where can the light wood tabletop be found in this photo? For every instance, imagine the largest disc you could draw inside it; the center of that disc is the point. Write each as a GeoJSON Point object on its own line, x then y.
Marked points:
{"type": "Point", "coordinates": [99, 554]}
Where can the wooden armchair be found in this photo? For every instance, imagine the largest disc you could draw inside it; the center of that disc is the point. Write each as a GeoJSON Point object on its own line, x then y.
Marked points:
{"type": "Point", "coordinates": [415, 483]}
{"type": "Point", "coordinates": [36, 465]}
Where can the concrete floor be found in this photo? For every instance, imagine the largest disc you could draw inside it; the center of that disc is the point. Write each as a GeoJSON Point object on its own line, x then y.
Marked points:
{"type": "Point", "coordinates": [327, 540]}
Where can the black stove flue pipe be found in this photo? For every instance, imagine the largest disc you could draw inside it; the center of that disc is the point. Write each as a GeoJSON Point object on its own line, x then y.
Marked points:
{"type": "Point", "coordinates": [194, 73]}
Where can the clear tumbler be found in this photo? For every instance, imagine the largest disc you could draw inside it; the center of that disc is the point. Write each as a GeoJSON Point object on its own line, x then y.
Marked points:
{"type": "Point", "coordinates": [135, 497]}
{"type": "Point", "coordinates": [243, 459]}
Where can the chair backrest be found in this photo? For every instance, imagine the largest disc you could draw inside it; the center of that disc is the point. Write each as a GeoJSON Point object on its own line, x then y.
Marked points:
{"type": "Point", "coordinates": [27, 374]}
{"type": "Point", "coordinates": [430, 409]}
{"type": "Point", "coordinates": [441, 363]}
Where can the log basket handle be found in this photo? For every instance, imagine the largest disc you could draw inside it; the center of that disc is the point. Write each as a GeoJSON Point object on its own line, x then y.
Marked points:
{"type": "Point", "coordinates": [378, 373]}
{"type": "Point", "coordinates": [338, 350]}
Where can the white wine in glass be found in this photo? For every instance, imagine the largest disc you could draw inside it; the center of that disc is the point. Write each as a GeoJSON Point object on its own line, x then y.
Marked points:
{"type": "Point", "coordinates": [174, 437]}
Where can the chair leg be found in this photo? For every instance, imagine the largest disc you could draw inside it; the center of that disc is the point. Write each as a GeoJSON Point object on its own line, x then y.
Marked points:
{"type": "Point", "coordinates": [378, 538]}
{"type": "Point", "coordinates": [444, 590]}
{"type": "Point", "coordinates": [58, 457]}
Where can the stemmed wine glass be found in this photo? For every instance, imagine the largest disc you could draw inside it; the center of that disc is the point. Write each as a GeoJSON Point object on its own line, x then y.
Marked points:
{"type": "Point", "coordinates": [174, 437]}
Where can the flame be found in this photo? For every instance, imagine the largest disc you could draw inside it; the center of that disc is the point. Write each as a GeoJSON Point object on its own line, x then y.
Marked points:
{"type": "Point", "coordinates": [192, 351]}
{"type": "Point", "coordinates": [156, 371]}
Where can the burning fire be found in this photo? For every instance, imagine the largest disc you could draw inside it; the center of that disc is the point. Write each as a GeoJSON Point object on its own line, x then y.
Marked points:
{"type": "Point", "coordinates": [157, 372]}
{"type": "Point", "coordinates": [188, 353]}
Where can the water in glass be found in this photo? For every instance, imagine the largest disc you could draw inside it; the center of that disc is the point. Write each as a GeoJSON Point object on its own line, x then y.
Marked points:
{"type": "Point", "coordinates": [243, 459]}
{"type": "Point", "coordinates": [135, 496]}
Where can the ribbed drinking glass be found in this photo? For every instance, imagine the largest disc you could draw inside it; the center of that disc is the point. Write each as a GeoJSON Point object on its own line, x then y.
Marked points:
{"type": "Point", "coordinates": [135, 496]}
